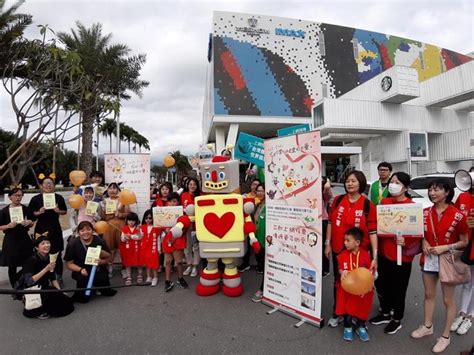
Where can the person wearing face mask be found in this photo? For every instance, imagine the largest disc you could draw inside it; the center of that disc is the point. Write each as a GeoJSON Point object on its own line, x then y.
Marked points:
{"type": "Point", "coordinates": [393, 279]}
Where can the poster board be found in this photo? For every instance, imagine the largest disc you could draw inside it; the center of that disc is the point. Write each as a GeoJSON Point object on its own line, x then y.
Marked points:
{"type": "Point", "coordinates": [133, 170]}
{"type": "Point", "coordinates": [250, 149]}
{"type": "Point", "coordinates": [166, 216]}
{"type": "Point", "coordinates": [404, 219]}
{"type": "Point", "coordinates": [293, 265]}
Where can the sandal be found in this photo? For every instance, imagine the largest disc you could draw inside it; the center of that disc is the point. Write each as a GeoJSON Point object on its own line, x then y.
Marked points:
{"type": "Point", "coordinates": [139, 279]}
{"type": "Point", "coordinates": [128, 281]}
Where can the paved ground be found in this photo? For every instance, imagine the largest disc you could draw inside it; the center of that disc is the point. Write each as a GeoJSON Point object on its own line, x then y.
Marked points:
{"type": "Point", "coordinates": [146, 320]}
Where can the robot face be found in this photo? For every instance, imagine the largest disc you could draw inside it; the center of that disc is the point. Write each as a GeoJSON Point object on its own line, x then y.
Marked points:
{"type": "Point", "coordinates": [220, 177]}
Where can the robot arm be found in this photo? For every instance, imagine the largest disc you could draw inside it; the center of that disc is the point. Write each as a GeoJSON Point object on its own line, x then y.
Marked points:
{"type": "Point", "coordinates": [249, 226]}
{"type": "Point", "coordinates": [182, 224]}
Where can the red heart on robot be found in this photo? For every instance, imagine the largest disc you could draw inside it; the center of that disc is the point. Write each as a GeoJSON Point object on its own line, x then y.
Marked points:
{"type": "Point", "coordinates": [219, 226]}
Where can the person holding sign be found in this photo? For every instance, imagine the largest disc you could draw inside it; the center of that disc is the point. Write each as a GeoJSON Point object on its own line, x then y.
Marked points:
{"type": "Point", "coordinates": [15, 221]}
{"type": "Point", "coordinates": [392, 283]}
{"type": "Point", "coordinates": [114, 214]}
{"type": "Point", "coordinates": [348, 211]}
{"type": "Point", "coordinates": [90, 211]}
{"type": "Point", "coordinates": [446, 231]}
{"type": "Point", "coordinates": [47, 207]}
{"type": "Point", "coordinates": [353, 306]}
{"type": "Point", "coordinates": [38, 270]}
{"type": "Point", "coordinates": [75, 258]}
{"type": "Point", "coordinates": [162, 196]}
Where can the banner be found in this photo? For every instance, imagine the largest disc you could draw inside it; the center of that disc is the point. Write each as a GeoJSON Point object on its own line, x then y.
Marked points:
{"type": "Point", "coordinates": [133, 170]}
{"type": "Point", "coordinates": [288, 131]}
{"type": "Point", "coordinates": [250, 149]}
{"type": "Point", "coordinates": [293, 265]}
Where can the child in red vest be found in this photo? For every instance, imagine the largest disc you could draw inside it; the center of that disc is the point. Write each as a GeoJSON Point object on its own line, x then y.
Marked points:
{"type": "Point", "coordinates": [348, 305]}
{"type": "Point", "coordinates": [130, 247]}
{"type": "Point", "coordinates": [150, 248]}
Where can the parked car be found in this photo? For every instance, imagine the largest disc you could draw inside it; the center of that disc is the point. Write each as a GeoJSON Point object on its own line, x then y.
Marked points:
{"type": "Point", "coordinates": [420, 184]}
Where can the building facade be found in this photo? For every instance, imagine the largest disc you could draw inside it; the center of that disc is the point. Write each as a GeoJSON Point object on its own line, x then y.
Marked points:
{"type": "Point", "coordinates": [394, 99]}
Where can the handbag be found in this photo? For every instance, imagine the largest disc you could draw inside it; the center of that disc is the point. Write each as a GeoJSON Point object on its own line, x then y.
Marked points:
{"type": "Point", "coordinates": [33, 300]}
{"type": "Point", "coordinates": [466, 254]}
{"type": "Point", "coordinates": [452, 270]}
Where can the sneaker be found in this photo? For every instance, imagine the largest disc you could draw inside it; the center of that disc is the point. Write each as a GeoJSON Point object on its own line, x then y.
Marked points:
{"type": "Point", "coordinates": [43, 316]}
{"type": "Point", "coordinates": [124, 273]}
{"type": "Point", "coordinates": [257, 297]}
{"type": "Point", "coordinates": [148, 279]}
{"type": "Point", "coordinates": [128, 281]}
{"type": "Point", "coordinates": [154, 282]}
{"type": "Point", "coordinates": [422, 331]}
{"type": "Point", "coordinates": [188, 270]}
{"type": "Point", "coordinates": [457, 322]}
{"type": "Point", "coordinates": [243, 268]}
{"type": "Point", "coordinates": [464, 327]}
{"type": "Point", "coordinates": [182, 283]}
{"type": "Point", "coordinates": [380, 319]}
{"type": "Point", "coordinates": [334, 321]}
{"type": "Point", "coordinates": [441, 345]}
{"type": "Point", "coordinates": [362, 333]}
{"type": "Point", "coordinates": [194, 272]}
{"type": "Point", "coordinates": [348, 335]}
{"type": "Point", "coordinates": [168, 286]}
{"type": "Point", "coordinates": [393, 327]}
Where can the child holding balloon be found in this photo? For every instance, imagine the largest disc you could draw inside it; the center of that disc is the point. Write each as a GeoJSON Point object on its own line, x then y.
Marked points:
{"type": "Point", "coordinates": [130, 247]}
{"type": "Point", "coordinates": [354, 297]}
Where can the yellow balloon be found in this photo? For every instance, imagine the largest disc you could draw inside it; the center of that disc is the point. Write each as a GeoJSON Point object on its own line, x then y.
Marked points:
{"type": "Point", "coordinates": [77, 177]}
{"type": "Point", "coordinates": [75, 201]}
{"type": "Point", "coordinates": [169, 161]}
{"type": "Point", "coordinates": [101, 227]}
{"type": "Point", "coordinates": [127, 197]}
{"type": "Point", "coordinates": [358, 281]}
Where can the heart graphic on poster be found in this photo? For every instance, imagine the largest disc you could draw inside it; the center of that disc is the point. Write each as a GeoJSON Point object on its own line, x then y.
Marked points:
{"type": "Point", "coordinates": [219, 226]}
{"type": "Point", "coordinates": [308, 174]}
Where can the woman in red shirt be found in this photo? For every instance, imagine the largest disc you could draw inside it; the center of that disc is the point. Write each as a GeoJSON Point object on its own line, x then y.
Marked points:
{"type": "Point", "coordinates": [392, 283]}
{"type": "Point", "coordinates": [348, 211]}
{"type": "Point", "coordinates": [191, 190]}
{"type": "Point", "coordinates": [162, 196]}
{"type": "Point", "coordinates": [445, 230]}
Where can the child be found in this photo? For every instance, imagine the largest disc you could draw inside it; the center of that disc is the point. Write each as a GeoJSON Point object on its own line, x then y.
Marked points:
{"type": "Point", "coordinates": [347, 305]}
{"type": "Point", "coordinates": [149, 249]}
{"type": "Point", "coordinates": [82, 214]}
{"type": "Point", "coordinates": [130, 247]}
{"type": "Point", "coordinates": [174, 248]}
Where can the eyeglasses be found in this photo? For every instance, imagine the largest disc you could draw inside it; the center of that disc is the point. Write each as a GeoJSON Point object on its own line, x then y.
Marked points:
{"type": "Point", "coordinates": [384, 169]}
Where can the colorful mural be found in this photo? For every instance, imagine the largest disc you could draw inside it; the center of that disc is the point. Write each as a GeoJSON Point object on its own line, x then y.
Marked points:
{"type": "Point", "coordinates": [268, 66]}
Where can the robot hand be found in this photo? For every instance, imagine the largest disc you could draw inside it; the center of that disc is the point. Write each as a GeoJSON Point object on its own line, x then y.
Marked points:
{"type": "Point", "coordinates": [190, 212]}
{"type": "Point", "coordinates": [177, 230]}
{"type": "Point", "coordinates": [255, 244]}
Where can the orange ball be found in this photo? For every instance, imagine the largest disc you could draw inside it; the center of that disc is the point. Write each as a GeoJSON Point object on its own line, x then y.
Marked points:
{"type": "Point", "coordinates": [75, 201]}
{"type": "Point", "coordinates": [358, 281]}
{"type": "Point", "coordinates": [127, 197]}
{"type": "Point", "coordinates": [169, 161]}
{"type": "Point", "coordinates": [77, 177]}
{"type": "Point", "coordinates": [101, 227]}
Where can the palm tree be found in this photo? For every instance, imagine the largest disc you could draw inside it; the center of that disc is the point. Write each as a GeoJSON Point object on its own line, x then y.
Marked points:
{"type": "Point", "coordinates": [181, 163]}
{"type": "Point", "coordinates": [112, 75]}
{"type": "Point", "coordinates": [126, 134]}
{"type": "Point", "coordinates": [12, 26]}
{"type": "Point", "coordinates": [108, 129]}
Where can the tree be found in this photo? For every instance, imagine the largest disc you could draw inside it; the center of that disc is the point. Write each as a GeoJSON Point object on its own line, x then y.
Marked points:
{"type": "Point", "coordinates": [127, 134]}
{"type": "Point", "coordinates": [159, 172]}
{"type": "Point", "coordinates": [108, 128]}
{"type": "Point", "coordinates": [112, 75]}
{"type": "Point", "coordinates": [181, 164]}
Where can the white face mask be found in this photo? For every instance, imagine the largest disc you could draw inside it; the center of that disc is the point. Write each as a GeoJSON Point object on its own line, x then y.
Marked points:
{"type": "Point", "coordinates": [395, 189]}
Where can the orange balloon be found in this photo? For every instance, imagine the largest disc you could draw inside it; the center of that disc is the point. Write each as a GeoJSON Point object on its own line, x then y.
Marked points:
{"type": "Point", "coordinates": [77, 177]}
{"type": "Point", "coordinates": [358, 281]}
{"type": "Point", "coordinates": [169, 161]}
{"type": "Point", "coordinates": [127, 197]}
{"type": "Point", "coordinates": [101, 227]}
{"type": "Point", "coordinates": [76, 201]}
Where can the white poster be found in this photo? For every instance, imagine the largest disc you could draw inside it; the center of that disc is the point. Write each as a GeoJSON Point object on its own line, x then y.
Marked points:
{"type": "Point", "coordinates": [133, 171]}
{"type": "Point", "coordinates": [293, 265]}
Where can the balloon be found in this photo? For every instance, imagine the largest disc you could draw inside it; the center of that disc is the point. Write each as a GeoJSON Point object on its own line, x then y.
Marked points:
{"type": "Point", "coordinates": [77, 177]}
{"type": "Point", "coordinates": [169, 161]}
{"type": "Point", "coordinates": [76, 201]}
{"type": "Point", "coordinates": [358, 281]}
{"type": "Point", "coordinates": [127, 197]}
{"type": "Point", "coordinates": [101, 227]}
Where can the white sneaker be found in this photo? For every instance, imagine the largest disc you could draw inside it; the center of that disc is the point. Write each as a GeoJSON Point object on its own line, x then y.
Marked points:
{"type": "Point", "coordinates": [422, 331]}
{"type": "Point", "coordinates": [441, 345]}
{"type": "Point", "coordinates": [188, 270]}
{"type": "Point", "coordinates": [154, 282]}
{"type": "Point", "coordinates": [464, 327]}
{"type": "Point", "coordinates": [148, 279]}
{"type": "Point", "coordinates": [334, 321]}
{"type": "Point", "coordinates": [194, 273]}
{"type": "Point", "coordinates": [456, 323]}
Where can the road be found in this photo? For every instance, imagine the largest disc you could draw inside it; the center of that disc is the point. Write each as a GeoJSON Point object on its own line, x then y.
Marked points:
{"type": "Point", "coordinates": [147, 320]}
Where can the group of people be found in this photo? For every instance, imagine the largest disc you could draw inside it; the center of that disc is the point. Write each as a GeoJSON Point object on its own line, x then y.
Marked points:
{"type": "Point", "coordinates": [351, 242]}
{"type": "Point", "coordinates": [349, 236]}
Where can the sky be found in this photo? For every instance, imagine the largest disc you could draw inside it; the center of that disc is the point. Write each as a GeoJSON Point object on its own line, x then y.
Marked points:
{"type": "Point", "coordinates": [174, 37]}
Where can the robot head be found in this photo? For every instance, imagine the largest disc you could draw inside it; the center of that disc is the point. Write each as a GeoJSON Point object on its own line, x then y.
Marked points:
{"type": "Point", "coordinates": [220, 176]}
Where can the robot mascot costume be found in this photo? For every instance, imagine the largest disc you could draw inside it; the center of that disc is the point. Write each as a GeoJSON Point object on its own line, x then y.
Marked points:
{"type": "Point", "coordinates": [223, 222]}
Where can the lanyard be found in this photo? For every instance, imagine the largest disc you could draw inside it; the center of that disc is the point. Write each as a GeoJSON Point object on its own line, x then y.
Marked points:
{"type": "Point", "coordinates": [357, 260]}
